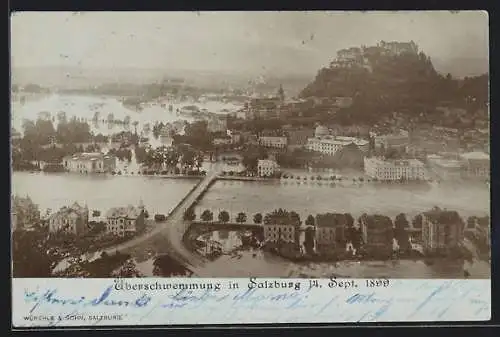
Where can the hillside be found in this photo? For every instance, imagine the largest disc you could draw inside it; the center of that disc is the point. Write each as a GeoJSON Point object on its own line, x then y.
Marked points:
{"type": "Point", "coordinates": [393, 76]}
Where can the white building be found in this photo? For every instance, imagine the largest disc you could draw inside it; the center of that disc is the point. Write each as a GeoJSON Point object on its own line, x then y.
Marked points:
{"type": "Point", "coordinates": [410, 169]}
{"type": "Point", "coordinates": [321, 131]}
{"type": "Point", "coordinates": [444, 168]}
{"type": "Point", "coordinates": [475, 164]}
{"type": "Point", "coordinates": [267, 167]}
{"type": "Point", "coordinates": [278, 142]}
{"type": "Point", "coordinates": [331, 144]}
{"type": "Point", "coordinates": [393, 141]}
{"type": "Point", "coordinates": [222, 141]}
{"type": "Point", "coordinates": [90, 163]}
{"type": "Point", "coordinates": [125, 221]}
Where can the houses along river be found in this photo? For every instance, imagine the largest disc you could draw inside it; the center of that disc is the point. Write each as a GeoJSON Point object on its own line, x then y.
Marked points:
{"type": "Point", "coordinates": [160, 195]}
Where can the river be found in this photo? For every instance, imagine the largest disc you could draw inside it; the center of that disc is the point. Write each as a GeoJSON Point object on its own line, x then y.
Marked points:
{"type": "Point", "coordinates": [314, 197]}
{"type": "Point", "coordinates": [160, 195]}
{"type": "Point", "coordinates": [54, 190]}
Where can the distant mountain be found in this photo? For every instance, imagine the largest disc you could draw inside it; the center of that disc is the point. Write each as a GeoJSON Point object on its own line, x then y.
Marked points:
{"type": "Point", "coordinates": [73, 77]}
{"type": "Point", "coordinates": [78, 78]}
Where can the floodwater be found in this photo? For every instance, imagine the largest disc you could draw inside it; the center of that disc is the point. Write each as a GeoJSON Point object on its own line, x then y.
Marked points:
{"type": "Point", "coordinates": [101, 192]}
{"type": "Point", "coordinates": [160, 195]}
{"type": "Point", "coordinates": [312, 197]}
{"type": "Point", "coordinates": [85, 106]}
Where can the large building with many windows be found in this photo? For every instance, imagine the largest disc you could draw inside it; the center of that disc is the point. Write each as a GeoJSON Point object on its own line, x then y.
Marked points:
{"type": "Point", "coordinates": [90, 163]}
{"type": "Point", "coordinates": [125, 221]}
{"type": "Point", "coordinates": [409, 169]}
{"type": "Point", "coordinates": [399, 141]}
{"type": "Point", "coordinates": [278, 142]}
{"type": "Point", "coordinates": [267, 167]}
{"type": "Point", "coordinates": [329, 145]}
{"type": "Point", "coordinates": [70, 220]}
{"type": "Point", "coordinates": [330, 234]}
{"type": "Point", "coordinates": [281, 233]}
{"type": "Point", "coordinates": [444, 168]}
{"type": "Point", "coordinates": [442, 230]}
{"type": "Point", "coordinates": [377, 233]}
{"type": "Point", "coordinates": [475, 165]}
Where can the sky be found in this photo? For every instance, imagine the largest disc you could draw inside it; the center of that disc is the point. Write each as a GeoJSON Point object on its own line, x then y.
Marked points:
{"type": "Point", "coordinates": [234, 41]}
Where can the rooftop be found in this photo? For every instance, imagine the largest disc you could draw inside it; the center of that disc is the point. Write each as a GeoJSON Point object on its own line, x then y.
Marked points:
{"type": "Point", "coordinates": [444, 162]}
{"type": "Point", "coordinates": [475, 156]}
{"type": "Point", "coordinates": [396, 162]}
{"type": "Point", "coordinates": [340, 140]}
{"type": "Point", "coordinates": [267, 162]}
{"type": "Point", "coordinates": [129, 212]}
{"type": "Point", "coordinates": [442, 216]}
{"type": "Point", "coordinates": [88, 156]}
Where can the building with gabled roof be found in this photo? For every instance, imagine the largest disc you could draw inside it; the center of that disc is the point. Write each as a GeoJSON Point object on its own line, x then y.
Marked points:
{"type": "Point", "coordinates": [125, 221]}
{"type": "Point", "coordinates": [70, 220]}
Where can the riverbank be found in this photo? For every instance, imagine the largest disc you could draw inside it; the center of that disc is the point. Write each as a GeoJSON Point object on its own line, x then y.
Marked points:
{"type": "Point", "coordinates": [169, 176]}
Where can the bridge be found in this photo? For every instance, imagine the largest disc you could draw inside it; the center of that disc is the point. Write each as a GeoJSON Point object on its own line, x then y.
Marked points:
{"type": "Point", "coordinates": [169, 234]}
{"type": "Point", "coordinates": [200, 227]}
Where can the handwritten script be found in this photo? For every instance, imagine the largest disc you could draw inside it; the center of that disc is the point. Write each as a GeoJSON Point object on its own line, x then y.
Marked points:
{"type": "Point", "coordinates": [105, 303]}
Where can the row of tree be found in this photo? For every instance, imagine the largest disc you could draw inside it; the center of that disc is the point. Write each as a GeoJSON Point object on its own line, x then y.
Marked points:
{"type": "Point", "coordinates": [399, 227]}
{"type": "Point", "coordinates": [169, 157]}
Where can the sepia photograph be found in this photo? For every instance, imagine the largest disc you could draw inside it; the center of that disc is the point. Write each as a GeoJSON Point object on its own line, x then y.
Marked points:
{"type": "Point", "coordinates": [292, 145]}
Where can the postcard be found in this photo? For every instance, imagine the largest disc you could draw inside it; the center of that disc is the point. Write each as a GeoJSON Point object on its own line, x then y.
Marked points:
{"type": "Point", "coordinates": [173, 168]}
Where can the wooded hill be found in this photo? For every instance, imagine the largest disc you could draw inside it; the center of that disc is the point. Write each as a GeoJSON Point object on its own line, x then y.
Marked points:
{"type": "Point", "coordinates": [381, 81]}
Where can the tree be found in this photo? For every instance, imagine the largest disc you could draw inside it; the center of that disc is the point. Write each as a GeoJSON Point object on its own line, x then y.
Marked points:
{"type": "Point", "coordinates": [309, 240]}
{"type": "Point", "coordinates": [349, 219]}
{"type": "Point", "coordinates": [257, 218]}
{"type": "Point", "coordinates": [310, 220]}
{"type": "Point", "coordinates": [129, 269]}
{"type": "Point", "coordinates": [401, 225]}
{"type": "Point", "coordinates": [189, 214]}
{"type": "Point", "coordinates": [27, 212]}
{"type": "Point", "coordinates": [471, 222]}
{"type": "Point", "coordinates": [295, 218]}
{"type": "Point", "coordinates": [241, 217]}
{"type": "Point", "coordinates": [207, 215]}
{"type": "Point", "coordinates": [135, 123]}
{"type": "Point", "coordinates": [166, 266]}
{"type": "Point", "coordinates": [187, 158]}
{"type": "Point", "coordinates": [29, 255]}
{"type": "Point", "coordinates": [224, 217]}
{"type": "Point", "coordinates": [278, 216]}
{"type": "Point", "coordinates": [417, 221]}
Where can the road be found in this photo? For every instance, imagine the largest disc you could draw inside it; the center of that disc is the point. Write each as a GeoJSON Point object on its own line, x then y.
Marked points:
{"type": "Point", "coordinates": [171, 231]}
